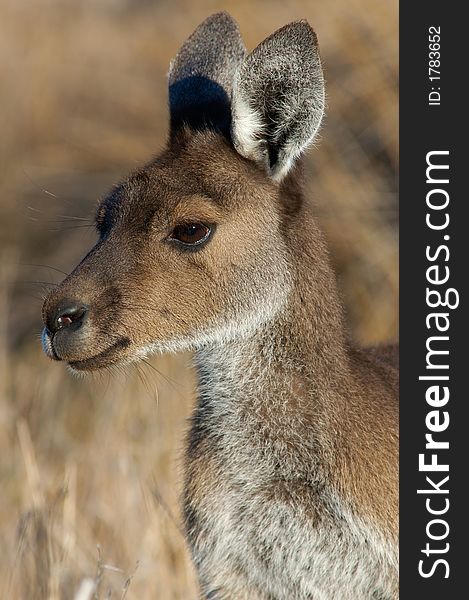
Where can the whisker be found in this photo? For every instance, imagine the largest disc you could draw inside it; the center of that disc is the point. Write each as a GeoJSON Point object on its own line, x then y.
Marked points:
{"type": "Point", "coordinates": [43, 267]}
{"type": "Point", "coordinates": [47, 192]}
{"type": "Point", "coordinates": [151, 390]}
{"type": "Point", "coordinates": [68, 221]}
{"type": "Point", "coordinates": [168, 380]}
{"type": "Point", "coordinates": [73, 217]}
{"type": "Point", "coordinates": [48, 283]}
{"type": "Point", "coordinates": [39, 298]}
{"type": "Point", "coordinates": [145, 362]}
{"type": "Point", "coordinates": [71, 227]}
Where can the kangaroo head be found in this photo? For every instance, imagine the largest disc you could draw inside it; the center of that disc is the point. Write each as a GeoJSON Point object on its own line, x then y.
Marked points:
{"type": "Point", "coordinates": [191, 247]}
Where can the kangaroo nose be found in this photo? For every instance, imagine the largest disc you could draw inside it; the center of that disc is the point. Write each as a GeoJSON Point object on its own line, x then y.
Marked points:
{"type": "Point", "coordinates": [70, 316]}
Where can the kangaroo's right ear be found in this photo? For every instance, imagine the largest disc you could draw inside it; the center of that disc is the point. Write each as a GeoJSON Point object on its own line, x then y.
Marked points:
{"type": "Point", "coordinates": [278, 99]}
{"type": "Point", "coordinates": [201, 76]}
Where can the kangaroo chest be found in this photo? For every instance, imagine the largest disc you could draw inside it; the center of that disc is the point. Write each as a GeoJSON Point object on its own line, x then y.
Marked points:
{"type": "Point", "coordinates": [264, 523]}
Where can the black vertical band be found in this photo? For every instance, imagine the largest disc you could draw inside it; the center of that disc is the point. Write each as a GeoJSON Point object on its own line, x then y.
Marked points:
{"type": "Point", "coordinates": [434, 473]}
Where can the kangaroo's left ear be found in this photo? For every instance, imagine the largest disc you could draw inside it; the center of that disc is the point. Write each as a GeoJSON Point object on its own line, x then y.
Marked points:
{"type": "Point", "coordinates": [278, 99]}
{"type": "Point", "coordinates": [201, 75]}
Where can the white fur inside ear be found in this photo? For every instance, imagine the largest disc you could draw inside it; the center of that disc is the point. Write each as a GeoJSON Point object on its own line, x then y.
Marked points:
{"type": "Point", "coordinates": [248, 132]}
{"type": "Point", "coordinates": [293, 150]}
{"type": "Point", "coordinates": [247, 128]}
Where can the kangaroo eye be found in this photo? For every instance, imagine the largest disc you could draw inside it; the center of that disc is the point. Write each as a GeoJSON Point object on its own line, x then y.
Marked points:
{"type": "Point", "coordinates": [191, 234]}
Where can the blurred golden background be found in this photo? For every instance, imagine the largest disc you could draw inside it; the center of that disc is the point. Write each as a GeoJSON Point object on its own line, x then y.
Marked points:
{"type": "Point", "coordinates": [90, 468]}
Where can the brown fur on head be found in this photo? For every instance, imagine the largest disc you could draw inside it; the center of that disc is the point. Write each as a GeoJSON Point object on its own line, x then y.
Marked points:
{"type": "Point", "coordinates": [145, 291]}
{"type": "Point", "coordinates": [237, 125]}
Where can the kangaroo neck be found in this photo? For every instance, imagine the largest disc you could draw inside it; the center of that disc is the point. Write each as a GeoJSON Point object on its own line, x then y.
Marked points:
{"type": "Point", "coordinates": [301, 350]}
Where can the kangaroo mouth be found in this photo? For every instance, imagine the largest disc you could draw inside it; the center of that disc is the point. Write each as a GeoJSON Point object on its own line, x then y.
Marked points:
{"type": "Point", "coordinates": [106, 358]}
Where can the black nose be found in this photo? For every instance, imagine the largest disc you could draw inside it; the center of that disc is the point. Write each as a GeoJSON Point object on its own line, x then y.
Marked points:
{"type": "Point", "coordinates": [69, 316]}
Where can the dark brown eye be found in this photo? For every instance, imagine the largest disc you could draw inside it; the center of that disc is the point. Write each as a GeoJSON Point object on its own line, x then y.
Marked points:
{"type": "Point", "coordinates": [190, 234]}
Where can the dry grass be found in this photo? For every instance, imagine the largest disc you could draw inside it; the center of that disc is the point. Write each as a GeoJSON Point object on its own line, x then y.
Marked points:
{"type": "Point", "coordinates": [89, 471]}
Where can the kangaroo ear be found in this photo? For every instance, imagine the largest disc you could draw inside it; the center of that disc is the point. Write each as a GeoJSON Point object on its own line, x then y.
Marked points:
{"type": "Point", "coordinates": [202, 74]}
{"type": "Point", "coordinates": [278, 99]}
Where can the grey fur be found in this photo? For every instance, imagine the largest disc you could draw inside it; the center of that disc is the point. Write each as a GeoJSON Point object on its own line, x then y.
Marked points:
{"type": "Point", "coordinates": [201, 75]}
{"type": "Point", "coordinates": [278, 99]}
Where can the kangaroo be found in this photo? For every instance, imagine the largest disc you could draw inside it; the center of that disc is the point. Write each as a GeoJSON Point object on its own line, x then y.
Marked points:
{"type": "Point", "coordinates": [291, 471]}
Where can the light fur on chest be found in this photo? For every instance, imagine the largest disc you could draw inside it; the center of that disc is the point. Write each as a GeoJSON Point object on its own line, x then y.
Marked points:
{"type": "Point", "coordinates": [262, 515]}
